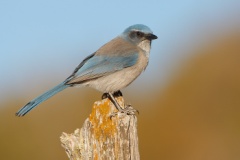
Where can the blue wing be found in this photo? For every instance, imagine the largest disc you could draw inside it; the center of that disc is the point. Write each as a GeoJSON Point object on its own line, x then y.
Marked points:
{"type": "Point", "coordinates": [96, 66]}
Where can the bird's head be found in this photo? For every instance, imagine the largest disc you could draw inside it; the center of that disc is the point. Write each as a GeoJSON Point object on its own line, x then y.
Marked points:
{"type": "Point", "coordinates": [138, 33]}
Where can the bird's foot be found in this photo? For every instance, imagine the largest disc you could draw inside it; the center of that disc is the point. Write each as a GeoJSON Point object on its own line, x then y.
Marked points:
{"type": "Point", "coordinates": [128, 110]}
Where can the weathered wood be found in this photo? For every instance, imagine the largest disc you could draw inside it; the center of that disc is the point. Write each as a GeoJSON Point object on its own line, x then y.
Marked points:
{"type": "Point", "coordinates": [102, 137]}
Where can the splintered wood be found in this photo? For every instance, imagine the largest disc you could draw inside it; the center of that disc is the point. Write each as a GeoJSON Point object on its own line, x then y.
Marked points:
{"type": "Point", "coordinates": [102, 137]}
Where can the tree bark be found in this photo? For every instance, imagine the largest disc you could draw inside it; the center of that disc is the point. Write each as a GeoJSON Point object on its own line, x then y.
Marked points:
{"type": "Point", "coordinates": [102, 137]}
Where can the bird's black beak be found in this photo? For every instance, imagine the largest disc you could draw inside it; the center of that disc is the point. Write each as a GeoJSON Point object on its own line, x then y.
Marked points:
{"type": "Point", "coordinates": [151, 36]}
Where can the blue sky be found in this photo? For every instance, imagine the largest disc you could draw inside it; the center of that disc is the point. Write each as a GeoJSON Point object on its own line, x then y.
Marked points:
{"type": "Point", "coordinates": [41, 42]}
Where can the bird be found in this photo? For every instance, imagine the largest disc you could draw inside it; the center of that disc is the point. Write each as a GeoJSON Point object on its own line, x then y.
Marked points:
{"type": "Point", "coordinates": [111, 68]}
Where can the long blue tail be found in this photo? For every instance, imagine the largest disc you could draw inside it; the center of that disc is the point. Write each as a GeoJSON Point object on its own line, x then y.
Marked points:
{"type": "Point", "coordinates": [32, 104]}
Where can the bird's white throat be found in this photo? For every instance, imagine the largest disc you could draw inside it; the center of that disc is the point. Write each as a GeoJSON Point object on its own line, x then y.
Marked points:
{"type": "Point", "coordinates": [146, 46]}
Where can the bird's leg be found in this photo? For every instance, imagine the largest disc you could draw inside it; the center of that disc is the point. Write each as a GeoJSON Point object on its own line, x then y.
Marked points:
{"type": "Point", "coordinates": [129, 110]}
{"type": "Point", "coordinates": [105, 95]}
{"type": "Point", "coordinates": [113, 100]}
{"type": "Point", "coordinates": [115, 94]}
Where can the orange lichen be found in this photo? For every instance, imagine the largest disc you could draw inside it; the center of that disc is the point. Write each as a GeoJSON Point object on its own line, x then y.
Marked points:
{"type": "Point", "coordinates": [102, 125]}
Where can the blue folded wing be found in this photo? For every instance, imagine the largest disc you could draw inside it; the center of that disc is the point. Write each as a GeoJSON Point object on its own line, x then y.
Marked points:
{"type": "Point", "coordinates": [101, 65]}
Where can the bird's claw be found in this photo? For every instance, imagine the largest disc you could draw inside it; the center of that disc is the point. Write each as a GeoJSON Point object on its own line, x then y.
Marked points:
{"type": "Point", "coordinates": [128, 110]}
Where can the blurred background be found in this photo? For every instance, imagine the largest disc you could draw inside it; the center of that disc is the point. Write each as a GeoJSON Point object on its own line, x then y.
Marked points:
{"type": "Point", "coordinates": [188, 97]}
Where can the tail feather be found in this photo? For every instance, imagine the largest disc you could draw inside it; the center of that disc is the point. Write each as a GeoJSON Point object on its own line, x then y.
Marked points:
{"type": "Point", "coordinates": [32, 104]}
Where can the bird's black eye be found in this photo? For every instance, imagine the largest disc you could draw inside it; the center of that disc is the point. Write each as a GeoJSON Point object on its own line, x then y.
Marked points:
{"type": "Point", "coordinates": [136, 34]}
{"type": "Point", "coordinates": [139, 34]}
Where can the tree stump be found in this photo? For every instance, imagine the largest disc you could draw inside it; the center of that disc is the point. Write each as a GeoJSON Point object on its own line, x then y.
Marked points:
{"type": "Point", "coordinates": [103, 137]}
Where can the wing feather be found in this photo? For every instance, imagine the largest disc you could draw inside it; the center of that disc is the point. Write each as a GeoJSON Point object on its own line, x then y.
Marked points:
{"type": "Point", "coordinates": [99, 66]}
{"type": "Point", "coordinates": [113, 56]}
